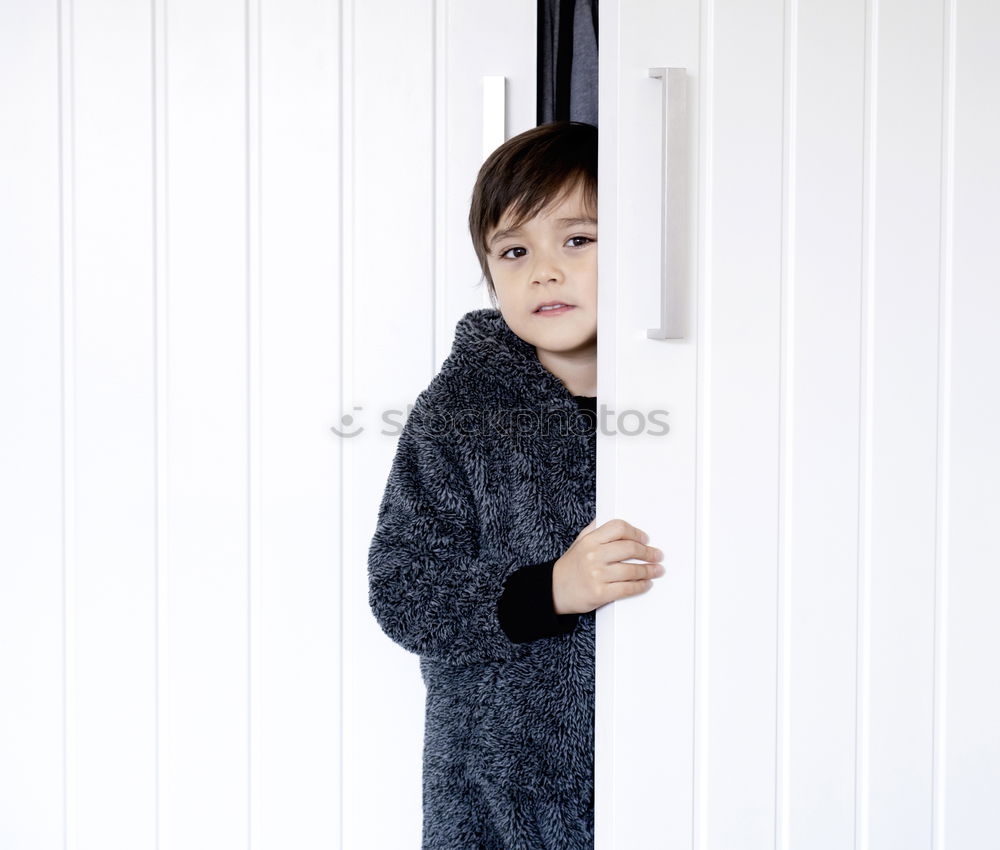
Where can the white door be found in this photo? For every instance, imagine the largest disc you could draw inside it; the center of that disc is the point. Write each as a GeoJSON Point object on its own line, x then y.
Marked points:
{"type": "Point", "coordinates": [817, 667]}
{"type": "Point", "coordinates": [225, 229]}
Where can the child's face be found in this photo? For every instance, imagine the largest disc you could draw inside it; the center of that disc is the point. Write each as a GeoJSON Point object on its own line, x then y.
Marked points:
{"type": "Point", "coordinates": [551, 257]}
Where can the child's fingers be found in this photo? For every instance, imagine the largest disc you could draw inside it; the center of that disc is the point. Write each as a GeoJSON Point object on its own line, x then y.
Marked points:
{"type": "Point", "coordinates": [625, 589]}
{"type": "Point", "coordinates": [619, 529]}
{"type": "Point", "coordinates": [630, 572]}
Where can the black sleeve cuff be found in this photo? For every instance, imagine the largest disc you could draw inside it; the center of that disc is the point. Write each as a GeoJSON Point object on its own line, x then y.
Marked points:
{"type": "Point", "coordinates": [525, 608]}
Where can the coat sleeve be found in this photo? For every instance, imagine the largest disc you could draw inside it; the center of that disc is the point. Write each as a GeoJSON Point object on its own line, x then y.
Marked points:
{"type": "Point", "coordinates": [429, 587]}
{"type": "Point", "coordinates": [526, 609]}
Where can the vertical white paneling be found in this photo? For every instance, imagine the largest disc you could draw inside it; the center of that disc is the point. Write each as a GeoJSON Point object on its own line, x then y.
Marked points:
{"type": "Point", "coordinates": [899, 447]}
{"type": "Point", "coordinates": [68, 350]}
{"type": "Point", "coordinates": [701, 545]}
{"type": "Point", "coordinates": [645, 699]}
{"type": "Point", "coordinates": [347, 421]}
{"type": "Point", "coordinates": [32, 428]}
{"type": "Point", "coordinates": [846, 377]}
{"type": "Point", "coordinates": [297, 641]}
{"type": "Point", "coordinates": [205, 791]}
{"type": "Point", "coordinates": [389, 308]}
{"type": "Point", "coordinates": [159, 263]}
{"type": "Point", "coordinates": [969, 631]}
{"type": "Point", "coordinates": [114, 604]}
{"type": "Point", "coordinates": [741, 335]}
{"type": "Point", "coordinates": [608, 205]}
{"type": "Point", "coordinates": [255, 417]}
{"type": "Point", "coordinates": [818, 437]}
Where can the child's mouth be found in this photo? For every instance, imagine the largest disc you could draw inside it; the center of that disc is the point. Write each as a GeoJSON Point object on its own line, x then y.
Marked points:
{"type": "Point", "coordinates": [553, 311]}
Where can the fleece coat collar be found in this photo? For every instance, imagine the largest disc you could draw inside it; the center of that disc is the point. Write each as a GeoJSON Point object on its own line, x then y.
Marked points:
{"type": "Point", "coordinates": [489, 359]}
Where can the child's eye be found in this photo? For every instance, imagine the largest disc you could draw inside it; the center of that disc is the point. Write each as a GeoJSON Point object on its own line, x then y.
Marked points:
{"type": "Point", "coordinates": [515, 248]}
{"type": "Point", "coordinates": [584, 238]}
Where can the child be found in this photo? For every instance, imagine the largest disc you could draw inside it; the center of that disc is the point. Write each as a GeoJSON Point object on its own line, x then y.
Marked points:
{"type": "Point", "coordinates": [483, 561]}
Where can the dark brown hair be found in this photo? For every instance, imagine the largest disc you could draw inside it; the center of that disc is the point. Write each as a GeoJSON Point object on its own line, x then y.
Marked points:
{"type": "Point", "coordinates": [527, 173]}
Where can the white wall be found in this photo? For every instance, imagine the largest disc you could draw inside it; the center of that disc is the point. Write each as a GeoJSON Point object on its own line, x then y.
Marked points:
{"type": "Point", "coordinates": [222, 227]}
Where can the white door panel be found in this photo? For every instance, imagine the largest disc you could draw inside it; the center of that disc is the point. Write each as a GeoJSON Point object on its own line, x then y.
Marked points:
{"type": "Point", "coordinates": [793, 679]}
{"type": "Point", "coordinates": [226, 227]}
{"type": "Point", "coordinates": [646, 480]}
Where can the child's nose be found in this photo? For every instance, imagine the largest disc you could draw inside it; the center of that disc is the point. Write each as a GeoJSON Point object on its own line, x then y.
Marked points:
{"type": "Point", "coordinates": [546, 270]}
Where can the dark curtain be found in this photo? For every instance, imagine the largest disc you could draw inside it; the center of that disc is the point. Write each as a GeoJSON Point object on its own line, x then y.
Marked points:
{"type": "Point", "coordinates": [567, 61]}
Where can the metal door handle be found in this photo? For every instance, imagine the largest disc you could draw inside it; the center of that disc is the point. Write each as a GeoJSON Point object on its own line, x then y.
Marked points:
{"type": "Point", "coordinates": [674, 221]}
{"type": "Point", "coordinates": [494, 114]}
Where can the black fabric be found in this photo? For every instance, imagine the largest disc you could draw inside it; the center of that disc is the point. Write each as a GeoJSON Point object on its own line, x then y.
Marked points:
{"type": "Point", "coordinates": [564, 59]}
{"type": "Point", "coordinates": [588, 411]}
{"type": "Point", "coordinates": [567, 61]}
{"type": "Point", "coordinates": [526, 608]}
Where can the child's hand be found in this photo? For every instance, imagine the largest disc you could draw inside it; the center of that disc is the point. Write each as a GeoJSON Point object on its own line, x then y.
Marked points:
{"type": "Point", "coordinates": [591, 573]}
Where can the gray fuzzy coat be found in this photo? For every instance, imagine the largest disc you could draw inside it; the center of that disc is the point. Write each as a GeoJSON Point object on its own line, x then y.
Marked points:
{"type": "Point", "coordinates": [492, 472]}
